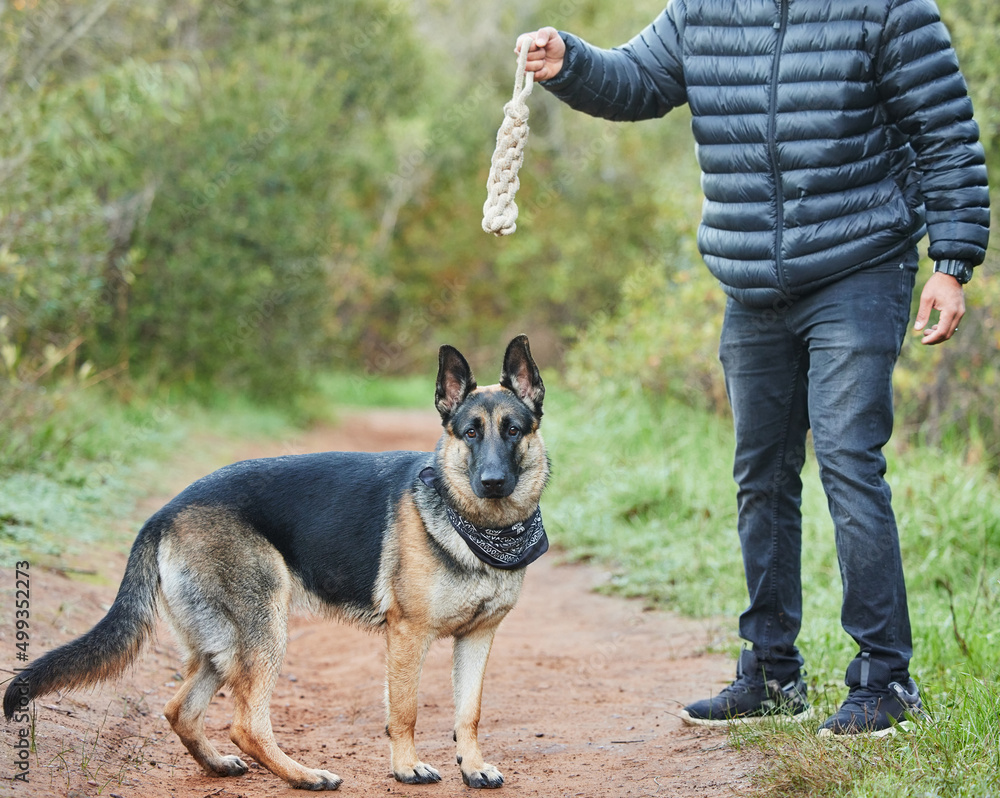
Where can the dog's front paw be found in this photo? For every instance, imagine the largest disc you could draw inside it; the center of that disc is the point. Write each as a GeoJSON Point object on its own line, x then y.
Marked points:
{"type": "Point", "coordinates": [419, 774]}
{"type": "Point", "coordinates": [487, 777]}
{"type": "Point", "coordinates": [318, 780]}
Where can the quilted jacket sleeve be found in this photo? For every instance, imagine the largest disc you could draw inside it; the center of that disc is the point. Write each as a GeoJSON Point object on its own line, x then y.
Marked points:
{"type": "Point", "coordinates": [926, 97]}
{"type": "Point", "coordinates": [643, 79]}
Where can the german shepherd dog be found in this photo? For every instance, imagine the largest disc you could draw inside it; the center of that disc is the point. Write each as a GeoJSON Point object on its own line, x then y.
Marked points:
{"type": "Point", "coordinates": [421, 544]}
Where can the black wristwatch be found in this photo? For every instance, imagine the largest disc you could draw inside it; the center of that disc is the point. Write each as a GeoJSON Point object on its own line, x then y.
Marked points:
{"type": "Point", "coordinates": [959, 269]}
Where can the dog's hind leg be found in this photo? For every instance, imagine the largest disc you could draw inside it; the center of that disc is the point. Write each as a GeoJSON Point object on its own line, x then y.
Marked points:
{"type": "Point", "coordinates": [253, 682]}
{"type": "Point", "coordinates": [227, 593]}
{"type": "Point", "coordinates": [186, 714]}
{"type": "Point", "coordinates": [471, 652]}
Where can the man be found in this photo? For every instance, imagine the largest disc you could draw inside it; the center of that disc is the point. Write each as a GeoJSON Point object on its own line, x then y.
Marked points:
{"type": "Point", "coordinates": [831, 137]}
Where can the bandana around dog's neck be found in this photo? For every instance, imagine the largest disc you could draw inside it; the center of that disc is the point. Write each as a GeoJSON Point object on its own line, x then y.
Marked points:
{"type": "Point", "coordinates": [512, 547]}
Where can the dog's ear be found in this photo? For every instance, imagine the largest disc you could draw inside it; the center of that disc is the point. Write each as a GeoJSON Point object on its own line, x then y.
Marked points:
{"type": "Point", "coordinates": [454, 381]}
{"type": "Point", "coordinates": [520, 375]}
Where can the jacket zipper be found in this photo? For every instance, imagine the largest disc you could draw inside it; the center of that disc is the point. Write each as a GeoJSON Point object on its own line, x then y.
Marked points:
{"type": "Point", "coordinates": [772, 127]}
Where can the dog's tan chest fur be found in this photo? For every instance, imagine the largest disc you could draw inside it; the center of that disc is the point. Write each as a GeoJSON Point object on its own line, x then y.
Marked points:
{"type": "Point", "coordinates": [461, 608]}
{"type": "Point", "coordinates": [443, 601]}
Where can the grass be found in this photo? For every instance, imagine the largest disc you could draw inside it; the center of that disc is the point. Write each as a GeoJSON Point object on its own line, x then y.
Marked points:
{"type": "Point", "coordinates": [363, 391]}
{"type": "Point", "coordinates": [95, 457]}
{"type": "Point", "coordinates": [644, 487]}
{"type": "Point", "coordinates": [642, 491]}
{"type": "Point", "coordinates": [82, 476]}
{"type": "Point", "coordinates": [953, 753]}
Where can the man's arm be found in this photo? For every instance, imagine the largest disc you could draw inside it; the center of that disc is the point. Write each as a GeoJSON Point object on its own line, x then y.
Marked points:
{"type": "Point", "coordinates": [926, 96]}
{"type": "Point", "coordinates": [642, 79]}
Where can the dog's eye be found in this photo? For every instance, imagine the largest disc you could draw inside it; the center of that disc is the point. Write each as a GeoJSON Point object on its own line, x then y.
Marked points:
{"type": "Point", "coordinates": [513, 431]}
{"type": "Point", "coordinates": [470, 433]}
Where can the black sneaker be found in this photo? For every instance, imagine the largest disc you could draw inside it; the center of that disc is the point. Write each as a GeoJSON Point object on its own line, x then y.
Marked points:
{"type": "Point", "coordinates": [875, 705]}
{"type": "Point", "coordinates": [751, 699]}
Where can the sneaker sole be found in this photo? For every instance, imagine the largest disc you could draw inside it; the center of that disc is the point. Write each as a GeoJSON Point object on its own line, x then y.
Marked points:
{"type": "Point", "coordinates": [904, 726]}
{"type": "Point", "coordinates": [747, 720]}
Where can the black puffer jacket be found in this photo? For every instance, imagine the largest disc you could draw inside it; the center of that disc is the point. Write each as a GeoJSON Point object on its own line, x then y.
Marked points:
{"type": "Point", "coordinates": [831, 134]}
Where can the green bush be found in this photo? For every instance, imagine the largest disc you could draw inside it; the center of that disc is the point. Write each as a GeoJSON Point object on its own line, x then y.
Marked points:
{"type": "Point", "coordinates": [664, 337]}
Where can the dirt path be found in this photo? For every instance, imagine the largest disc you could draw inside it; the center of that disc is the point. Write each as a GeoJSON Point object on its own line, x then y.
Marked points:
{"type": "Point", "coordinates": [581, 694]}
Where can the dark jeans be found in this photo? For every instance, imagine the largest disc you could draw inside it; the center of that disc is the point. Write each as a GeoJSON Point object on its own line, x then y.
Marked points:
{"type": "Point", "coordinates": [823, 361]}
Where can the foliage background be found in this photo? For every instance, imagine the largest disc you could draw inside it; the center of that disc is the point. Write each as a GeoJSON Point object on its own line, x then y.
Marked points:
{"type": "Point", "coordinates": [241, 193]}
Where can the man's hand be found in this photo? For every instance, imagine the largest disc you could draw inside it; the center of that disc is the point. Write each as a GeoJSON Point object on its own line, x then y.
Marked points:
{"type": "Point", "coordinates": [942, 293]}
{"type": "Point", "coordinates": [545, 58]}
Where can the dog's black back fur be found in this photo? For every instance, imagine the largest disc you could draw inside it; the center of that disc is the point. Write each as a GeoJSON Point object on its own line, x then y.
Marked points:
{"type": "Point", "coordinates": [323, 512]}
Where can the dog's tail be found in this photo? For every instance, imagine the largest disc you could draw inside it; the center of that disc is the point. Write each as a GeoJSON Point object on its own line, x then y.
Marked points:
{"type": "Point", "coordinates": [111, 646]}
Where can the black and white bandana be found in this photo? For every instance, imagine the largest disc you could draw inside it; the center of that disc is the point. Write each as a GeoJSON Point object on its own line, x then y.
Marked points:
{"type": "Point", "coordinates": [508, 548]}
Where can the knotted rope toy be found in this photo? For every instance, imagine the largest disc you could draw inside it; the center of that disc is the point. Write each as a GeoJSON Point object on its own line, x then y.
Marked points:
{"type": "Point", "coordinates": [500, 210]}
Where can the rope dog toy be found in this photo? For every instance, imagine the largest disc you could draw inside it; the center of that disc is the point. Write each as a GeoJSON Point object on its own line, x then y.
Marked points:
{"type": "Point", "coordinates": [500, 210]}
